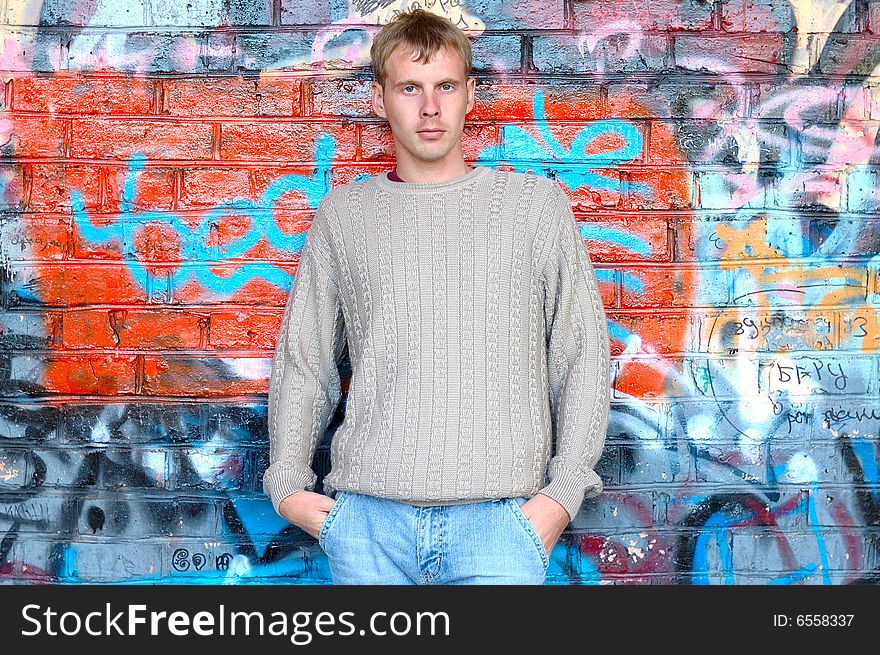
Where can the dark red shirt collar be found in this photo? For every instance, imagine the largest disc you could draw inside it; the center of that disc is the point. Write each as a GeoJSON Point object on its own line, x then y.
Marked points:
{"type": "Point", "coordinates": [393, 176]}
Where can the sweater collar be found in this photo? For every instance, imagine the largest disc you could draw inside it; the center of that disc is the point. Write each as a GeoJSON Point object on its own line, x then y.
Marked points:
{"type": "Point", "coordinates": [428, 187]}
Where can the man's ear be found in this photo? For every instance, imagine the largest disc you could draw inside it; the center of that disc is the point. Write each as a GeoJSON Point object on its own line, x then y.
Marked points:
{"type": "Point", "coordinates": [471, 91]}
{"type": "Point", "coordinates": [378, 99]}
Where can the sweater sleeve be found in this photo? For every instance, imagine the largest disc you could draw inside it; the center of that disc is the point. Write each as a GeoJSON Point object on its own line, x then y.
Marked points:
{"type": "Point", "coordinates": [578, 362]}
{"type": "Point", "coordinates": [304, 387]}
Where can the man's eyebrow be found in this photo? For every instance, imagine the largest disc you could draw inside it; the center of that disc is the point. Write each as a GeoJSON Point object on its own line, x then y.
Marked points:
{"type": "Point", "coordinates": [448, 80]}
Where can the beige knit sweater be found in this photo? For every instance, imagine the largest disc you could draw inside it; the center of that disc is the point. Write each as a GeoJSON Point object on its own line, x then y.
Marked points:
{"type": "Point", "coordinates": [476, 334]}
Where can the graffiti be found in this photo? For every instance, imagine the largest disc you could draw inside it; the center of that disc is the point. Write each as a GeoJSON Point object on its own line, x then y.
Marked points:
{"type": "Point", "coordinates": [724, 182]}
{"type": "Point", "coordinates": [197, 241]}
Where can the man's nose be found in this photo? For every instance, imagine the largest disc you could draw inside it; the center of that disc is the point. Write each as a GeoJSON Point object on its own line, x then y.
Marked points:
{"type": "Point", "coordinates": [430, 106]}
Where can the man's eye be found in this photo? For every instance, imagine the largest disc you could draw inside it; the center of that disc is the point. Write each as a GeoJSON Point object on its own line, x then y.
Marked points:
{"type": "Point", "coordinates": [410, 86]}
{"type": "Point", "coordinates": [447, 86]}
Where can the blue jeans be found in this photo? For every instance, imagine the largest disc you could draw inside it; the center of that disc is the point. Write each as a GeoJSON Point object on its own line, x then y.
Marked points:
{"type": "Point", "coordinates": [371, 540]}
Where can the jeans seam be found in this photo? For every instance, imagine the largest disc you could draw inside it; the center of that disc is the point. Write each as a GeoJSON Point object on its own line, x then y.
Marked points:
{"type": "Point", "coordinates": [530, 530]}
{"type": "Point", "coordinates": [331, 517]}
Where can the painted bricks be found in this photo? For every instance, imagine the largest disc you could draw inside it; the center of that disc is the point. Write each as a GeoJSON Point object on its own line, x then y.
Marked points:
{"type": "Point", "coordinates": [160, 166]}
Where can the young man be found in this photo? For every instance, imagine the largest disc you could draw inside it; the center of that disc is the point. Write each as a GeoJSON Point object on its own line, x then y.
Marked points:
{"type": "Point", "coordinates": [477, 334]}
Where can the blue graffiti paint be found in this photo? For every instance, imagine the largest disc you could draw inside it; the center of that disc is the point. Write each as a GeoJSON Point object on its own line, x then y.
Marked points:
{"type": "Point", "coordinates": [195, 242]}
{"type": "Point", "coordinates": [716, 526]}
{"type": "Point", "coordinates": [806, 571]}
{"type": "Point", "coordinates": [524, 152]}
{"type": "Point", "coordinates": [864, 450]}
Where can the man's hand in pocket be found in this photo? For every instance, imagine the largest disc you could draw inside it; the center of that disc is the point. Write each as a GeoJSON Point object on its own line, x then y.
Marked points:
{"type": "Point", "coordinates": [307, 510]}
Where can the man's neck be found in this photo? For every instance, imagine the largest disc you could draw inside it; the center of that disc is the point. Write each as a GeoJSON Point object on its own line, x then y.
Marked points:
{"type": "Point", "coordinates": [413, 172]}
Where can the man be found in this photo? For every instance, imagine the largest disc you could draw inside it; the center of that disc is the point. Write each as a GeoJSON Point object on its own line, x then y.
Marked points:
{"type": "Point", "coordinates": [476, 332]}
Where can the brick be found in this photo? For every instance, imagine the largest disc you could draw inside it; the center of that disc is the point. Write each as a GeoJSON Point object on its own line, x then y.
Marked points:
{"type": "Point", "coordinates": [666, 287]}
{"type": "Point", "coordinates": [727, 191]}
{"type": "Point", "coordinates": [718, 142]}
{"type": "Point", "coordinates": [674, 97]}
{"type": "Point", "coordinates": [625, 238]}
{"type": "Point", "coordinates": [669, 332]}
{"type": "Point", "coordinates": [236, 423]}
{"type": "Point", "coordinates": [87, 14]}
{"type": "Point", "coordinates": [134, 329]}
{"type": "Point", "coordinates": [654, 466]}
{"type": "Point", "coordinates": [500, 15]}
{"type": "Point", "coordinates": [615, 54]}
{"type": "Point", "coordinates": [751, 53]}
{"type": "Point", "coordinates": [102, 375]}
{"type": "Point", "coordinates": [45, 514]}
{"type": "Point", "coordinates": [643, 15]}
{"type": "Point", "coordinates": [35, 136]}
{"type": "Point", "coordinates": [608, 511]}
{"type": "Point", "coordinates": [29, 423]}
{"type": "Point", "coordinates": [32, 237]}
{"type": "Point", "coordinates": [607, 147]}
{"type": "Point", "coordinates": [496, 54]}
{"type": "Point", "coordinates": [754, 550]}
{"type": "Point", "coordinates": [212, 469]}
{"type": "Point", "coordinates": [232, 96]}
{"type": "Point", "coordinates": [245, 329]}
{"type": "Point", "coordinates": [742, 511]}
{"type": "Point", "coordinates": [290, 187]}
{"type": "Point", "coordinates": [247, 283]}
{"type": "Point", "coordinates": [133, 423]}
{"type": "Point", "coordinates": [862, 192]}
{"type": "Point", "coordinates": [340, 98]}
{"type": "Point", "coordinates": [648, 424]}
{"type": "Point", "coordinates": [210, 14]}
{"type": "Point", "coordinates": [191, 560]}
{"type": "Point", "coordinates": [859, 330]}
{"type": "Point", "coordinates": [848, 55]}
{"type": "Point", "coordinates": [153, 189]}
{"type": "Point", "coordinates": [748, 330]}
{"type": "Point", "coordinates": [204, 377]}
{"type": "Point", "coordinates": [123, 562]}
{"type": "Point", "coordinates": [744, 461]}
{"type": "Point", "coordinates": [31, 51]}
{"type": "Point", "coordinates": [83, 94]}
{"type": "Point", "coordinates": [95, 49]}
{"type": "Point", "coordinates": [720, 239]}
{"type": "Point", "coordinates": [750, 16]}
{"type": "Point", "coordinates": [85, 284]}
{"type": "Point", "coordinates": [121, 139]}
{"type": "Point", "coordinates": [806, 376]}
{"type": "Point", "coordinates": [781, 284]}
{"type": "Point", "coordinates": [498, 101]}
{"type": "Point", "coordinates": [210, 187]}
{"type": "Point", "coordinates": [84, 248]}
{"type": "Point", "coordinates": [654, 188]}
{"type": "Point", "coordinates": [273, 50]}
{"type": "Point", "coordinates": [305, 12]}
{"type": "Point", "coordinates": [52, 186]}
{"type": "Point", "coordinates": [12, 178]}
{"type": "Point", "coordinates": [277, 141]}
{"type": "Point", "coordinates": [107, 519]}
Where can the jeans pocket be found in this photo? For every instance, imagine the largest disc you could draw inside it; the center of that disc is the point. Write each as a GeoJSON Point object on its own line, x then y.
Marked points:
{"type": "Point", "coordinates": [331, 518]}
{"type": "Point", "coordinates": [530, 530]}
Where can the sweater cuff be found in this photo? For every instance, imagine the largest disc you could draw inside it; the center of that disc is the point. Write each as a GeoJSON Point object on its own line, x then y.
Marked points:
{"type": "Point", "coordinates": [570, 491]}
{"type": "Point", "coordinates": [279, 482]}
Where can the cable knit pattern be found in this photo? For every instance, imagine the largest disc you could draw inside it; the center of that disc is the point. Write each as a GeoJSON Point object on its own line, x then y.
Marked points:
{"type": "Point", "coordinates": [477, 337]}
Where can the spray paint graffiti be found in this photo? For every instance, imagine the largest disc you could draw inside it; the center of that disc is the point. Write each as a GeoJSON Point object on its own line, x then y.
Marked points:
{"type": "Point", "coordinates": [727, 202]}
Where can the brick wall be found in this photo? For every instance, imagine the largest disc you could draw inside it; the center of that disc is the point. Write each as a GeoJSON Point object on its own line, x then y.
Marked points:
{"type": "Point", "coordinates": [159, 169]}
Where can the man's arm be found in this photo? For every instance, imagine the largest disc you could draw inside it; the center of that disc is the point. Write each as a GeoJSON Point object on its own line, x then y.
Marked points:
{"type": "Point", "coordinates": [304, 388]}
{"type": "Point", "coordinates": [578, 364]}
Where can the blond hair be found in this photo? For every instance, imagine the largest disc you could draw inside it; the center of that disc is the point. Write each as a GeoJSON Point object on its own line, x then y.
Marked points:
{"type": "Point", "coordinates": [425, 33]}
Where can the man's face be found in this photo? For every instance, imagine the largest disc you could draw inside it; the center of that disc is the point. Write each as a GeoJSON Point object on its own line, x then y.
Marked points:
{"type": "Point", "coordinates": [425, 104]}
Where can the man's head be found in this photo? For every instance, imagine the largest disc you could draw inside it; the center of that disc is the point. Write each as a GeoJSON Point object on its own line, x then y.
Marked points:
{"type": "Point", "coordinates": [422, 64]}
